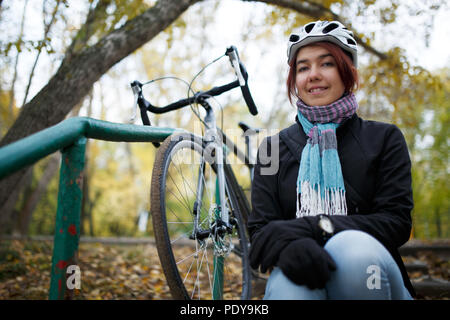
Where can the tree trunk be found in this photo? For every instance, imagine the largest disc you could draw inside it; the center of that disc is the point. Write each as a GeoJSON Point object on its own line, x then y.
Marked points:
{"type": "Point", "coordinates": [7, 209]}
{"type": "Point", "coordinates": [30, 205]}
{"type": "Point", "coordinates": [85, 200]}
{"type": "Point", "coordinates": [438, 223]}
{"type": "Point", "coordinates": [76, 75]}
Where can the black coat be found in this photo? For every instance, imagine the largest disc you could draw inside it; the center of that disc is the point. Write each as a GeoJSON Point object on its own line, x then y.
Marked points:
{"type": "Point", "coordinates": [377, 177]}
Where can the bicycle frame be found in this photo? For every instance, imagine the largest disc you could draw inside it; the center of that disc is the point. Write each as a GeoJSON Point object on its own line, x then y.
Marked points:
{"type": "Point", "coordinates": [214, 140]}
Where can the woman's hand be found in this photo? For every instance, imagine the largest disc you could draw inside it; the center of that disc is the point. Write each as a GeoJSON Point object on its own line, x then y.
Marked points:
{"type": "Point", "coordinates": [274, 237]}
{"type": "Point", "coordinates": [305, 262]}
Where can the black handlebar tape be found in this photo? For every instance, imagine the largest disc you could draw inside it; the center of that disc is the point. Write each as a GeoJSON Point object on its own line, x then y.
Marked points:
{"type": "Point", "coordinates": [249, 100]}
{"type": "Point", "coordinates": [146, 122]}
{"type": "Point", "coordinates": [246, 92]}
{"type": "Point", "coordinates": [185, 102]}
{"type": "Point", "coordinates": [144, 117]}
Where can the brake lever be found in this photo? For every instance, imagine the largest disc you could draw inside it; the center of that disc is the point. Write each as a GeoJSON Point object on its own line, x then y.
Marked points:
{"type": "Point", "coordinates": [136, 91]}
{"type": "Point", "coordinates": [136, 86]}
{"type": "Point", "coordinates": [234, 59]}
{"type": "Point", "coordinates": [242, 76]}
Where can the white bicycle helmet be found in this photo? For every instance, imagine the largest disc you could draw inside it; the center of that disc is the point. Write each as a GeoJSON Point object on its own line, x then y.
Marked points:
{"type": "Point", "coordinates": [332, 31]}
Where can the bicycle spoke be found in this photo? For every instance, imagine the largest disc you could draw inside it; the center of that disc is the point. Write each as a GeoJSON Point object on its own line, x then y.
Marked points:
{"type": "Point", "coordinates": [176, 186]}
{"type": "Point", "coordinates": [187, 257]}
{"type": "Point", "coordinates": [211, 285]}
{"type": "Point", "coordinates": [180, 237]}
{"type": "Point", "coordinates": [199, 271]}
{"type": "Point", "coordinates": [181, 173]}
{"type": "Point", "coordinates": [178, 222]}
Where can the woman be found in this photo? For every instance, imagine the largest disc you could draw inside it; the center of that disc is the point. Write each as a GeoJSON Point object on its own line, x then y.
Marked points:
{"type": "Point", "coordinates": [328, 223]}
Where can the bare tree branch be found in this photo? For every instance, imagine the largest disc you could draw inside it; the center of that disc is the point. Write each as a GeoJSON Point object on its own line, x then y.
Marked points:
{"type": "Point", "coordinates": [317, 11]}
{"type": "Point", "coordinates": [95, 17]}
{"type": "Point", "coordinates": [16, 62]}
{"type": "Point", "coordinates": [47, 27]}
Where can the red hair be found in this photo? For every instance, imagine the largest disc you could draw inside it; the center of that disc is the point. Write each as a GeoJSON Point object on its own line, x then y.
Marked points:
{"type": "Point", "coordinates": [346, 69]}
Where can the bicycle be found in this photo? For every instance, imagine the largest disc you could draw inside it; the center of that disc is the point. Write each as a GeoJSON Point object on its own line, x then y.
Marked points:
{"type": "Point", "coordinates": [199, 210]}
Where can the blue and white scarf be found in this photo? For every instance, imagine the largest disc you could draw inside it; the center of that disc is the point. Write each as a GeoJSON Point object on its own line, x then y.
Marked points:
{"type": "Point", "coordinates": [320, 184]}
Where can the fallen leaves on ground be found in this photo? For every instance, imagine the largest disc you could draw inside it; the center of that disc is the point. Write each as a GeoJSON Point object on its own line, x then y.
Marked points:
{"type": "Point", "coordinates": [110, 272]}
{"type": "Point", "coordinates": [438, 267]}
{"type": "Point", "coordinates": [107, 271]}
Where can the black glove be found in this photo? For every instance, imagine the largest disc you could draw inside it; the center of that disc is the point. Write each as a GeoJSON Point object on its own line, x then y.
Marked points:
{"type": "Point", "coordinates": [268, 242]}
{"type": "Point", "coordinates": [305, 262]}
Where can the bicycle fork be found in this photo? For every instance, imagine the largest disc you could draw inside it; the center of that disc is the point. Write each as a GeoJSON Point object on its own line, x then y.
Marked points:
{"type": "Point", "coordinates": [221, 214]}
{"type": "Point", "coordinates": [215, 154]}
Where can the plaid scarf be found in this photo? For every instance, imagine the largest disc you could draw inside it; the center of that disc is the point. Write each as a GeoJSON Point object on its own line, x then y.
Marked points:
{"type": "Point", "coordinates": [320, 184]}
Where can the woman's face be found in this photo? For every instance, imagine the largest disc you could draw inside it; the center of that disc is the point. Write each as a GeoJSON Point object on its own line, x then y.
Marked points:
{"type": "Point", "coordinates": [317, 78]}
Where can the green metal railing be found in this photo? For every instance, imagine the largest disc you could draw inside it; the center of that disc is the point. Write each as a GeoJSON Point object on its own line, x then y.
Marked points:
{"type": "Point", "coordinates": [70, 137]}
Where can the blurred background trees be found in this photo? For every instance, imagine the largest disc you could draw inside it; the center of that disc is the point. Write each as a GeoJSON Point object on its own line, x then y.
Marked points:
{"type": "Point", "coordinates": [63, 58]}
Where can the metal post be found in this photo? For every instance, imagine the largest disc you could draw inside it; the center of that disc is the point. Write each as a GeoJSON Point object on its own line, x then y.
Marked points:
{"type": "Point", "coordinates": [67, 226]}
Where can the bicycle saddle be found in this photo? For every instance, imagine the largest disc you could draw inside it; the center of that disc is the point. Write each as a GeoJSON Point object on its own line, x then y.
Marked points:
{"type": "Point", "coordinates": [247, 129]}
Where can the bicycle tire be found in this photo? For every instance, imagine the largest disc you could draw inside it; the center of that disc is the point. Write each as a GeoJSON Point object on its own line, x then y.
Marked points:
{"type": "Point", "coordinates": [167, 222]}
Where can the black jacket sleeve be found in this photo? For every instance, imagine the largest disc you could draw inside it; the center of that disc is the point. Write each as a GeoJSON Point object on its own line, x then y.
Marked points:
{"type": "Point", "coordinates": [264, 195]}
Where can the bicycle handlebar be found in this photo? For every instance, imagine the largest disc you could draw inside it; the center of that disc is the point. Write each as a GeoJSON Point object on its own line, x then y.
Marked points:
{"type": "Point", "coordinates": [242, 76]}
{"type": "Point", "coordinates": [242, 82]}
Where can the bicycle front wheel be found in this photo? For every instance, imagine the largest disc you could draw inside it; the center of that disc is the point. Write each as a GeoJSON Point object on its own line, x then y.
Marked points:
{"type": "Point", "coordinates": [198, 262]}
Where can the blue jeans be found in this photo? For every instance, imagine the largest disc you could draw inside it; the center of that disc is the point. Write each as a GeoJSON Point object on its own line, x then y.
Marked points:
{"type": "Point", "coordinates": [364, 270]}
